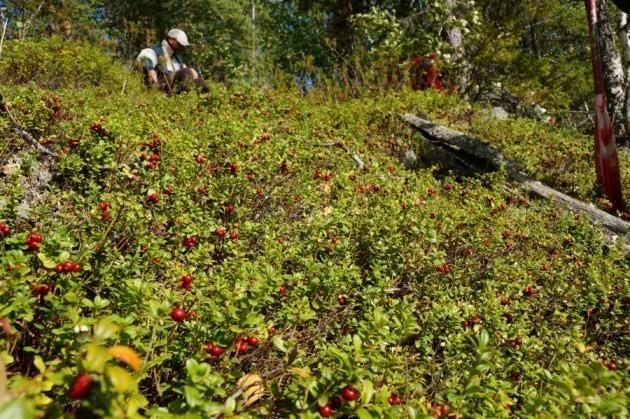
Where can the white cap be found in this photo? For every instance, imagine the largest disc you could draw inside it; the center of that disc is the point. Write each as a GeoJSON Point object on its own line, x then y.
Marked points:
{"type": "Point", "coordinates": [179, 35]}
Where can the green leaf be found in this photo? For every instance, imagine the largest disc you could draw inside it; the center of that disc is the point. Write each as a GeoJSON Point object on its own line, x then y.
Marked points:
{"type": "Point", "coordinates": [278, 342]}
{"type": "Point", "coordinates": [119, 377]}
{"type": "Point", "coordinates": [46, 261]}
{"type": "Point", "coordinates": [17, 409]}
{"type": "Point", "coordinates": [96, 358]}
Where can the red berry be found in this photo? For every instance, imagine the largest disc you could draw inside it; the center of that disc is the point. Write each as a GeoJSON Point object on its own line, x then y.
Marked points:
{"type": "Point", "coordinates": [178, 314]}
{"type": "Point", "coordinates": [253, 340]}
{"type": "Point", "coordinates": [282, 290]}
{"type": "Point", "coordinates": [81, 387]}
{"type": "Point", "coordinates": [216, 351]}
{"type": "Point", "coordinates": [76, 267]}
{"type": "Point", "coordinates": [234, 235]}
{"type": "Point", "coordinates": [611, 365]}
{"type": "Point", "coordinates": [234, 167]}
{"type": "Point", "coordinates": [342, 300]}
{"type": "Point", "coordinates": [67, 266]}
{"type": "Point", "coordinates": [187, 278]}
{"type": "Point", "coordinates": [103, 206]}
{"type": "Point", "coordinates": [394, 399]}
{"type": "Point", "coordinates": [349, 393]}
{"type": "Point", "coordinates": [168, 190]}
{"type": "Point", "coordinates": [444, 410]}
{"type": "Point", "coordinates": [529, 291]}
{"type": "Point", "coordinates": [241, 346]}
{"type": "Point", "coordinates": [220, 232]}
{"type": "Point", "coordinates": [229, 209]}
{"type": "Point", "coordinates": [200, 159]}
{"type": "Point", "coordinates": [326, 411]}
{"type": "Point", "coordinates": [153, 198]}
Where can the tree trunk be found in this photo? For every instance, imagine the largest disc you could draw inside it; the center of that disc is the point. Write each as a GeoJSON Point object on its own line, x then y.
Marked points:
{"type": "Point", "coordinates": [614, 77]}
{"type": "Point", "coordinates": [624, 38]}
{"type": "Point", "coordinates": [455, 38]}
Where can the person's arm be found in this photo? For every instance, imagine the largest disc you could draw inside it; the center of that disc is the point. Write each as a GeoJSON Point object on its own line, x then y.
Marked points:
{"type": "Point", "coordinates": [150, 59]}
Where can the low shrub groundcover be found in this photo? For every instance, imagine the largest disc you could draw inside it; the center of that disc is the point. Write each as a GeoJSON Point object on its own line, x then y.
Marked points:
{"type": "Point", "coordinates": [198, 256]}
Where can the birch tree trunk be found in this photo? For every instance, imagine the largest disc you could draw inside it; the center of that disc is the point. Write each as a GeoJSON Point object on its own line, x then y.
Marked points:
{"type": "Point", "coordinates": [624, 38]}
{"type": "Point", "coordinates": [455, 38]}
{"type": "Point", "coordinates": [614, 76]}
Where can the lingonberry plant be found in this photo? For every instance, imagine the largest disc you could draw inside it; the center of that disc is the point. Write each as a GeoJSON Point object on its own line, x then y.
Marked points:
{"type": "Point", "coordinates": [387, 292]}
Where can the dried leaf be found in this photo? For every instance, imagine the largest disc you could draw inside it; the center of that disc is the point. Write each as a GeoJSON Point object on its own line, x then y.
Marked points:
{"type": "Point", "coordinates": [126, 355]}
{"type": "Point", "coordinates": [252, 387]}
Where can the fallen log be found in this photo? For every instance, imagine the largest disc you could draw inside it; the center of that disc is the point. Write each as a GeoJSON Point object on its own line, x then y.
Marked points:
{"type": "Point", "coordinates": [481, 156]}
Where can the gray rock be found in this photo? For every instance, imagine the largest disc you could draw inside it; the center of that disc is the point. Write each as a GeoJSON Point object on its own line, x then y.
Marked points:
{"type": "Point", "coordinates": [499, 113]}
{"type": "Point", "coordinates": [409, 159]}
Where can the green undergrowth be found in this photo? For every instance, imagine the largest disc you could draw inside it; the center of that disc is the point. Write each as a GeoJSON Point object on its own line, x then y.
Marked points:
{"type": "Point", "coordinates": [450, 292]}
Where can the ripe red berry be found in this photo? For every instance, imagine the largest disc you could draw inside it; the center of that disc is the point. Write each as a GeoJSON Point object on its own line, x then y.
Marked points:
{"type": "Point", "coordinates": [103, 206]}
{"type": "Point", "coordinates": [349, 393]}
{"type": "Point", "coordinates": [67, 266]}
{"type": "Point", "coordinates": [253, 340]}
{"type": "Point", "coordinates": [153, 198]}
{"type": "Point", "coordinates": [342, 300]}
{"type": "Point", "coordinates": [529, 291]}
{"type": "Point", "coordinates": [81, 387]}
{"type": "Point", "coordinates": [220, 232]}
{"type": "Point", "coordinates": [216, 351]}
{"type": "Point", "coordinates": [233, 167]}
{"type": "Point", "coordinates": [34, 238]}
{"type": "Point", "coordinates": [200, 159]}
{"type": "Point", "coordinates": [178, 314]}
{"type": "Point", "coordinates": [234, 235]}
{"type": "Point", "coordinates": [59, 268]}
{"type": "Point", "coordinates": [76, 267]}
{"type": "Point", "coordinates": [229, 209]}
{"type": "Point", "coordinates": [282, 290]}
{"type": "Point", "coordinates": [394, 399]}
{"type": "Point", "coordinates": [326, 411]}
{"type": "Point", "coordinates": [241, 346]}
{"type": "Point", "coordinates": [168, 190]}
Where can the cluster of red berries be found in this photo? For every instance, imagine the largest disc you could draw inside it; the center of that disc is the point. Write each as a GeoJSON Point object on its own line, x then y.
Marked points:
{"type": "Point", "coordinates": [214, 350]}
{"type": "Point", "coordinates": [394, 399]}
{"type": "Point", "coordinates": [5, 230]}
{"type": "Point", "coordinates": [187, 281]}
{"type": "Point", "coordinates": [443, 268]}
{"type": "Point", "coordinates": [515, 342]}
{"type": "Point", "coordinates": [349, 393]}
{"type": "Point", "coordinates": [33, 241]}
{"type": "Point", "coordinates": [153, 159]}
{"type": "Point", "coordinates": [200, 159]}
{"type": "Point", "coordinates": [97, 128]}
{"type": "Point", "coordinates": [104, 207]}
{"type": "Point", "coordinates": [190, 242]}
{"type": "Point", "coordinates": [68, 267]}
{"type": "Point", "coordinates": [529, 291]}
{"type": "Point", "coordinates": [242, 344]}
{"type": "Point", "coordinates": [440, 411]}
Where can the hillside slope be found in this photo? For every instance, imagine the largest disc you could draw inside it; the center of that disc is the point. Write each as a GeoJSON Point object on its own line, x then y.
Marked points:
{"type": "Point", "coordinates": [234, 221]}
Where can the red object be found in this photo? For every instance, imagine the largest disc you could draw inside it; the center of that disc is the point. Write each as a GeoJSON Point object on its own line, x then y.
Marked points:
{"type": "Point", "coordinates": [424, 73]}
{"type": "Point", "coordinates": [81, 387]}
{"type": "Point", "coordinates": [606, 159]}
{"type": "Point", "coordinates": [349, 393]}
{"type": "Point", "coordinates": [178, 315]}
{"type": "Point", "coordinates": [326, 411]}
